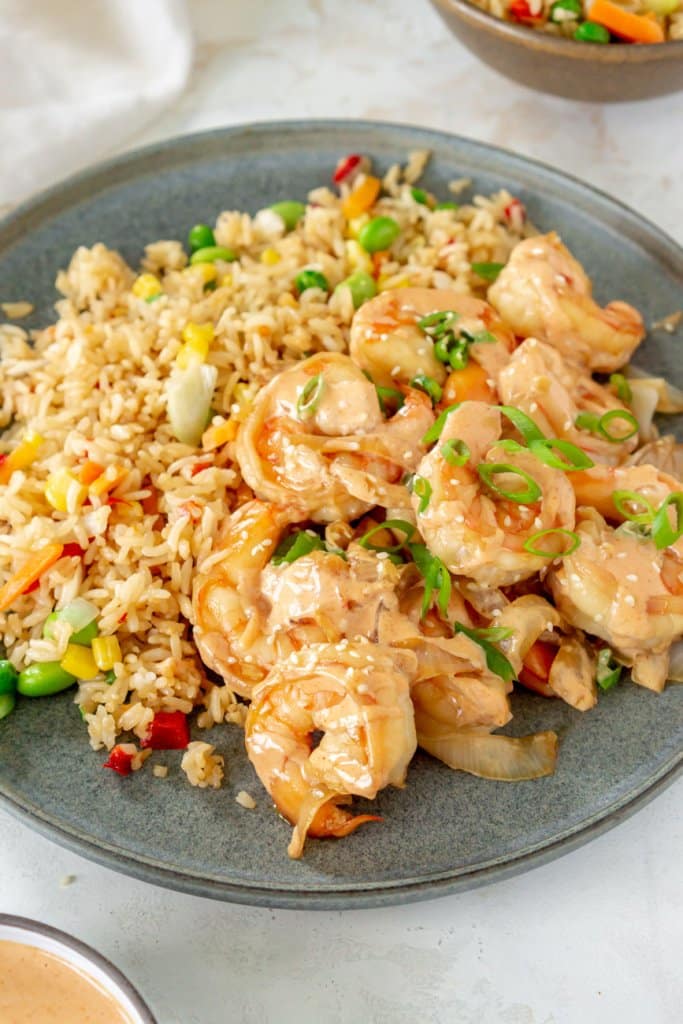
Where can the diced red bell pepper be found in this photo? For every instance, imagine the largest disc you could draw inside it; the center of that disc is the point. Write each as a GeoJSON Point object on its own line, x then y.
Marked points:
{"type": "Point", "coordinates": [168, 730]}
{"type": "Point", "coordinates": [519, 10]}
{"type": "Point", "coordinates": [72, 550]}
{"type": "Point", "coordinates": [536, 669]}
{"type": "Point", "coordinates": [199, 467]}
{"type": "Point", "coordinates": [3, 458]}
{"type": "Point", "coordinates": [515, 214]}
{"type": "Point", "coordinates": [346, 166]}
{"type": "Point", "coordinates": [119, 761]}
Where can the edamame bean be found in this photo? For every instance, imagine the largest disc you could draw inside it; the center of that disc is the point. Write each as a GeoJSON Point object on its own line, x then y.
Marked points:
{"type": "Point", "coordinates": [420, 196]}
{"type": "Point", "coordinates": [311, 279]}
{"type": "Point", "coordinates": [43, 679]}
{"type": "Point", "coordinates": [447, 205]}
{"type": "Point", "coordinates": [8, 677]}
{"type": "Point", "coordinates": [361, 286]}
{"type": "Point", "coordinates": [591, 32]}
{"type": "Point", "coordinates": [291, 212]}
{"type": "Point", "coordinates": [7, 702]}
{"type": "Point", "coordinates": [211, 253]}
{"type": "Point", "coordinates": [200, 237]}
{"type": "Point", "coordinates": [378, 234]}
{"type": "Point", "coordinates": [84, 636]}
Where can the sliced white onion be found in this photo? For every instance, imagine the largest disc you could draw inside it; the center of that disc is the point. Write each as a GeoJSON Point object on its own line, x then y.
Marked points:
{"type": "Point", "coordinates": [79, 613]}
{"type": "Point", "coordinates": [644, 401]}
{"type": "Point", "coordinates": [188, 397]}
{"type": "Point", "coordinates": [664, 453]}
{"type": "Point", "coordinates": [669, 397]}
{"type": "Point", "coordinates": [676, 663]}
{"type": "Point", "coordinates": [495, 757]}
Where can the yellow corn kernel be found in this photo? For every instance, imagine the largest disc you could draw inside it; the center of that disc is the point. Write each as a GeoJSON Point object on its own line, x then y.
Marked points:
{"type": "Point", "coordinates": [270, 257]}
{"type": "Point", "coordinates": [385, 283]}
{"type": "Point", "coordinates": [198, 336]}
{"type": "Point", "coordinates": [287, 299]}
{"type": "Point", "coordinates": [146, 286]}
{"type": "Point", "coordinates": [63, 490]}
{"type": "Point", "coordinates": [357, 257]}
{"type": "Point", "coordinates": [206, 272]}
{"type": "Point", "coordinates": [225, 281]}
{"type": "Point", "coordinates": [23, 455]}
{"type": "Point", "coordinates": [79, 661]}
{"type": "Point", "coordinates": [186, 357]}
{"type": "Point", "coordinates": [354, 226]}
{"type": "Point", "coordinates": [106, 651]}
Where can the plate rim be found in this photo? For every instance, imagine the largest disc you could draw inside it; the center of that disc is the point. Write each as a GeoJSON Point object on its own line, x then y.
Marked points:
{"type": "Point", "coordinates": [94, 179]}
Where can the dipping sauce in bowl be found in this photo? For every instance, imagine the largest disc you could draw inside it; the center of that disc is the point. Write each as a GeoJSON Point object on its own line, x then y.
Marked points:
{"type": "Point", "coordinates": [48, 977]}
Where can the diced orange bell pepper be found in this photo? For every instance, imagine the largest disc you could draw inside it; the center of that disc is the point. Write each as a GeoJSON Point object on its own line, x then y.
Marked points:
{"type": "Point", "coordinates": [214, 437]}
{"type": "Point", "coordinates": [469, 384]}
{"type": "Point", "coordinates": [362, 197]}
{"type": "Point", "coordinates": [89, 472]}
{"type": "Point", "coordinates": [536, 668]}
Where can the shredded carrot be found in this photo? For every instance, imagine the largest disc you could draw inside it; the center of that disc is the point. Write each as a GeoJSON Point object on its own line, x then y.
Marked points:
{"type": "Point", "coordinates": [378, 258]}
{"type": "Point", "coordinates": [635, 28]}
{"type": "Point", "coordinates": [362, 197]}
{"type": "Point", "coordinates": [30, 572]}
{"type": "Point", "coordinates": [214, 437]}
{"type": "Point", "coordinates": [470, 383]}
{"type": "Point", "coordinates": [90, 471]}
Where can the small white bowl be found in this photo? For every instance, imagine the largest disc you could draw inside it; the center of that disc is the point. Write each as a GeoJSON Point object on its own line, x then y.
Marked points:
{"type": "Point", "coordinates": [84, 959]}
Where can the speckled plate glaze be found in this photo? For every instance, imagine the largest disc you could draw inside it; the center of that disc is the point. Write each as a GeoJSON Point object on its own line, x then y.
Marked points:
{"type": "Point", "coordinates": [445, 831]}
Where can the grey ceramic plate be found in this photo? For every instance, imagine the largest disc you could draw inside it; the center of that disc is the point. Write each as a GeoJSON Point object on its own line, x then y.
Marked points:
{"type": "Point", "coordinates": [445, 831]}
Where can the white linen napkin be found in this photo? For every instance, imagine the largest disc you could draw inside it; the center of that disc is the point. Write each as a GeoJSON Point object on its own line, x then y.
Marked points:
{"type": "Point", "coordinates": [78, 77]}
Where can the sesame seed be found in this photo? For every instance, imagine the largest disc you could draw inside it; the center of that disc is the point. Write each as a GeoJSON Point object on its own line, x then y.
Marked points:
{"type": "Point", "coordinates": [533, 407]}
{"type": "Point", "coordinates": [630, 600]}
{"type": "Point", "coordinates": [395, 370]}
{"type": "Point", "coordinates": [631, 576]}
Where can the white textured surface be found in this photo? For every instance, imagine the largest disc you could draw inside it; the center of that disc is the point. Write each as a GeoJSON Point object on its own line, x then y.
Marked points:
{"type": "Point", "coordinates": [594, 937]}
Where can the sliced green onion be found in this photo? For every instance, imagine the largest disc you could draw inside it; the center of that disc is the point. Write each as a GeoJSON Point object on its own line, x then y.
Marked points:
{"type": "Point", "coordinates": [440, 319]}
{"type": "Point", "coordinates": [421, 487]}
{"type": "Point", "coordinates": [482, 338]}
{"type": "Point", "coordinates": [575, 457]}
{"type": "Point", "coordinates": [530, 543]}
{"type": "Point", "coordinates": [495, 659]}
{"type": "Point", "coordinates": [598, 424]}
{"type": "Point", "coordinates": [663, 533]}
{"type": "Point", "coordinates": [296, 546]}
{"type": "Point", "coordinates": [524, 424]}
{"type": "Point", "coordinates": [487, 271]}
{"type": "Point", "coordinates": [435, 431]}
{"type": "Point", "coordinates": [390, 400]}
{"type": "Point", "coordinates": [455, 452]}
{"type": "Point", "coordinates": [621, 498]}
{"type": "Point", "coordinates": [447, 205]}
{"type": "Point", "coordinates": [420, 196]}
{"type": "Point", "coordinates": [427, 384]}
{"type": "Point", "coordinates": [390, 524]}
{"type": "Point", "coordinates": [309, 399]}
{"type": "Point", "coordinates": [525, 496]}
{"type": "Point", "coordinates": [493, 633]}
{"type": "Point", "coordinates": [608, 671]}
{"type": "Point", "coordinates": [459, 356]}
{"type": "Point", "coordinates": [622, 387]}
{"type": "Point", "coordinates": [81, 616]}
{"type": "Point", "coordinates": [436, 576]}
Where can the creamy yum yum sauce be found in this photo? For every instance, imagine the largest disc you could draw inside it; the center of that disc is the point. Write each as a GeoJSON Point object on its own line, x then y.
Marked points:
{"type": "Point", "coordinates": [39, 988]}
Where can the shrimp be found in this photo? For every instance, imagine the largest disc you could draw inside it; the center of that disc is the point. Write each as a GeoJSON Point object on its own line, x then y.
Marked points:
{"type": "Point", "coordinates": [476, 532]}
{"type": "Point", "coordinates": [358, 696]}
{"type": "Point", "coordinates": [545, 293]}
{"type": "Point", "coordinates": [458, 702]}
{"type": "Point", "coordinates": [618, 586]}
{"type": "Point", "coordinates": [595, 487]}
{"type": "Point", "coordinates": [387, 341]}
{"type": "Point", "coordinates": [553, 392]}
{"type": "Point", "coordinates": [316, 439]}
{"type": "Point", "coordinates": [250, 612]}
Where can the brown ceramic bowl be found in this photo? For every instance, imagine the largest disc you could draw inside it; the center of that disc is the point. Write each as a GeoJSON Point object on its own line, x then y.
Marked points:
{"type": "Point", "coordinates": [579, 71]}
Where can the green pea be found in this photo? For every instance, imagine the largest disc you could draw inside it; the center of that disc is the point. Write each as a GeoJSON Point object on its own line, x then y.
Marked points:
{"type": "Point", "coordinates": [84, 636]}
{"type": "Point", "coordinates": [361, 286]}
{"type": "Point", "coordinates": [447, 205]}
{"type": "Point", "coordinates": [378, 234]}
{"type": "Point", "coordinates": [291, 212]}
{"type": "Point", "coordinates": [566, 10]}
{"type": "Point", "coordinates": [200, 237]}
{"type": "Point", "coordinates": [211, 253]}
{"type": "Point", "coordinates": [44, 678]}
{"type": "Point", "coordinates": [8, 677]}
{"type": "Point", "coordinates": [591, 32]}
{"type": "Point", "coordinates": [7, 702]}
{"type": "Point", "coordinates": [311, 279]}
